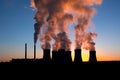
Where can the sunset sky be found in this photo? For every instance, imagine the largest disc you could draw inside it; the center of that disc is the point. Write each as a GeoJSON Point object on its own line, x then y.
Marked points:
{"type": "Point", "coordinates": [17, 28]}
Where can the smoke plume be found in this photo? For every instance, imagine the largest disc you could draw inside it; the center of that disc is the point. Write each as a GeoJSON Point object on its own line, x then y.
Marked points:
{"type": "Point", "coordinates": [53, 16]}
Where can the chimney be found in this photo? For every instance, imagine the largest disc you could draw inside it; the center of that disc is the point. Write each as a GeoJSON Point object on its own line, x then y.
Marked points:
{"type": "Point", "coordinates": [25, 50]}
{"type": "Point", "coordinates": [78, 57]}
{"type": "Point", "coordinates": [68, 58]}
{"type": "Point", "coordinates": [92, 58]}
{"type": "Point", "coordinates": [61, 56]}
{"type": "Point", "coordinates": [34, 51]}
{"type": "Point", "coordinates": [46, 55]}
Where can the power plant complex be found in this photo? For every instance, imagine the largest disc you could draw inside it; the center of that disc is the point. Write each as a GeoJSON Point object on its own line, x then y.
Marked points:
{"type": "Point", "coordinates": [53, 20]}
{"type": "Point", "coordinates": [51, 27]}
{"type": "Point", "coordinates": [58, 57]}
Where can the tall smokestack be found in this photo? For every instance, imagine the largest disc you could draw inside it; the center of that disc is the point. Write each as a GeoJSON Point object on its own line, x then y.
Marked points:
{"type": "Point", "coordinates": [46, 55]}
{"type": "Point", "coordinates": [34, 51]}
{"type": "Point", "coordinates": [78, 57]}
{"type": "Point", "coordinates": [92, 58]}
{"type": "Point", "coordinates": [25, 50]}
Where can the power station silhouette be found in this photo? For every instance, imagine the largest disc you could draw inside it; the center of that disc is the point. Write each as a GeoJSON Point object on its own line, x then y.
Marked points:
{"type": "Point", "coordinates": [58, 57]}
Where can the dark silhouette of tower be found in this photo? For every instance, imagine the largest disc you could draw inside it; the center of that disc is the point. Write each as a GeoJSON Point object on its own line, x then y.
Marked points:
{"type": "Point", "coordinates": [25, 50]}
{"type": "Point", "coordinates": [34, 51]}
{"type": "Point", "coordinates": [61, 56]}
{"type": "Point", "coordinates": [55, 59]}
{"type": "Point", "coordinates": [78, 57]}
{"type": "Point", "coordinates": [46, 56]}
{"type": "Point", "coordinates": [67, 57]}
{"type": "Point", "coordinates": [92, 58]}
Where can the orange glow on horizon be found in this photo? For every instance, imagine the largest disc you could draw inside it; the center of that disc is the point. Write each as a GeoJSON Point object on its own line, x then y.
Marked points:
{"type": "Point", "coordinates": [85, 56]}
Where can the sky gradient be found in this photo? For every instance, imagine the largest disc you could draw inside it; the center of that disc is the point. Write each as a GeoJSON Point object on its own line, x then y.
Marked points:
{"type": "Point", "coordinates": [17, 28]}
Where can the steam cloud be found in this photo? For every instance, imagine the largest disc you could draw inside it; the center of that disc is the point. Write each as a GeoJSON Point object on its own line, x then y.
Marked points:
{"type": "Point", "coordinates": [52, 19]}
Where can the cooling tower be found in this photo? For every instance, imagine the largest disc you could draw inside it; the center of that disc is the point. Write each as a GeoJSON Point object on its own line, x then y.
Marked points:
{"type": "Point", "coordinates": [61, 56]}
{"type": "Point", "coordinates": [92, 57]}
{"type": "Point", "coordinates": [67, 57]}
{"type": "Point", "coordinates": [78, 57]}
{"type": "Point", "coordinates": [55, 57]}
{"type": "Point", "coordinates": [46, 56]}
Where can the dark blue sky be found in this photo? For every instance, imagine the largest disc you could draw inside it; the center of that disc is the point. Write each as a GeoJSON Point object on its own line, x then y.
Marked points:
{"type": "Point", "coordinates": [16, 29]}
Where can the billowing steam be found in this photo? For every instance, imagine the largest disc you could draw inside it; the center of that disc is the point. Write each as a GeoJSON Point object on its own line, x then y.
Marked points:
{"type": "Point", "coordinates": [53, 16]}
